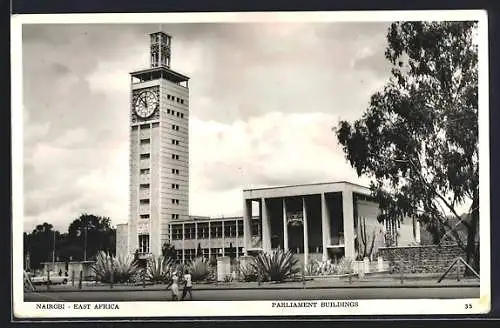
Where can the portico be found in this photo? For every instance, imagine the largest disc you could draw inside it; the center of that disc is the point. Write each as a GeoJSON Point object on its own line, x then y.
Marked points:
{"type": "Point", "coordinates": [313, 220]}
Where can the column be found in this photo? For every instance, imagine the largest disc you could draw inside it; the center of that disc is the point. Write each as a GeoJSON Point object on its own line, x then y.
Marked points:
{"type": "Point", "coordinates": [266, 226]}
{"type": "Point", "coordinates": [417, 231]}
{"type": "Point", "coordinates": [209, 243]}
{"type": "Point", "coordinates": [348, 213]}
{"type": "Point", "coordinates": [325, 226]}
{"type": "Point", "coordinates": [237, 240]}
{"type": "Point", "coordinates": [223, 240]}
{"type": "Point", "coordinates": [306, 237]}
{"type": "Point", "coordinates": [183, 238]}
{"type": "Point", "coordinates": [247, 216]}
{"type": "Point", "coordinates": [285, 227]}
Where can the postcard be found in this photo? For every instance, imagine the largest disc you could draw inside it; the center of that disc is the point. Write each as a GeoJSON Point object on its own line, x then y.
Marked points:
{"type": "Point", "coordinates": [250, 164]}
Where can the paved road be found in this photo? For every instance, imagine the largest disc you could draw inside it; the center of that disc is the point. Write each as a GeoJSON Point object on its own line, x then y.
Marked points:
{"type": "Point", "coordinates": [258, 294]}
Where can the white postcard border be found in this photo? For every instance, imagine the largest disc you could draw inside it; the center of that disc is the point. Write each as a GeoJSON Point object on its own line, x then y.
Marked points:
{"type": "Point", "coordinates": [26, 310]}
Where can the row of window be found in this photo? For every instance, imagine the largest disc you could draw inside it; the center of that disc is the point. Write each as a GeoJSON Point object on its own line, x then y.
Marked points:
{"type": "Point", "coordinates": [145, 126]}
{"type": "Point", "coordinates": [231, 230]}
{"type": "Point", "coordinates": [190, 253]}
{"type": "Point", "coordinates": [173, 112]}
{"type": "Point", "coordinates": [147, 141]}
{"type": "Point", "coordinates": [177, 99]}
{"type": "Point", "coordinates": [147, 156]}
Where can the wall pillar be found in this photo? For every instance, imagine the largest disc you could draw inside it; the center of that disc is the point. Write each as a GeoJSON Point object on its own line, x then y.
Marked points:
{"type": "Point", "coordinates": [183, 238]}
{"type": "Point", "coordinates": [348, 213]}
{"type": "Point", "coordinates": [223, 240]}
{"type": "Point", "coordinates": [209, 242]}
{"type": "Point", "coordinates": [266, 226]}
{"type": "Point", "coordinates": [325, 226]}
{"type": "Point", "coordinates": [417, 231]}
{"type": "Point", "coordinates": [247, 232]}
{"type": "Point", "coordinates": [285, 227]}
{"type": "Point", "coordinates": [306, 237]}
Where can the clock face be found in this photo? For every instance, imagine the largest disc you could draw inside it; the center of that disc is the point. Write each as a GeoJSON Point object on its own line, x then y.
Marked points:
{"type": "Point", "coordinates": [146, 104]}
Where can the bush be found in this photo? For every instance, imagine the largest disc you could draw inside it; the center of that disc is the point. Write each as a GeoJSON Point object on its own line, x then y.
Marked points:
{"type": "Point", "coordinates": [325, 268]}
{"type": "Point", "coordinates": [199, 269]}
{"type": "Point", "coordinates": [117, 269]}
{"type": "Point", "coordinates": [249, 273]}
{"type": "Point", "coordinates": [276, 266]}
{"type": "Point", "coordinates": [159, 269]}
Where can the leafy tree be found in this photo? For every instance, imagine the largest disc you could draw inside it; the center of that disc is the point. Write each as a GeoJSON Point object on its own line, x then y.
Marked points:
{"type": "Point", "coordinates": [40, 244]}
{"type": "Point", "coordinates": [418, 138]}
{"type": "Point", "coordinates": [168, 251]}
{"type": "Point", "coordinates": [90, 234]}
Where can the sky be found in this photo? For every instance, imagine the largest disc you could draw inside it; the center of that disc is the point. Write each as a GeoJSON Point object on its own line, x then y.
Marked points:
{"type": "Point", "coordinates": [264, 98]}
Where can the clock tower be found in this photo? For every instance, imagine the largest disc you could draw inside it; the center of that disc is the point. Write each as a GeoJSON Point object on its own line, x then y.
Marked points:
{"type": "Point", "coordinates": [159, 150]}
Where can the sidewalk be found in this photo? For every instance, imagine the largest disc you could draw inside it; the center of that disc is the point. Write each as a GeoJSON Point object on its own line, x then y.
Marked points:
{"type": "Point", "coordinates": [311, 284]}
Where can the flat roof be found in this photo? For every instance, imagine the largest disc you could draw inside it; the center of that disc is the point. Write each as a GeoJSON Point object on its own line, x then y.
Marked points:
{"type": "Point", "coordinates": [304, 189]}
{"type": "Point", "coordinates": [171, 74]}
{"type": "Point", "coordinates": [309, 184]}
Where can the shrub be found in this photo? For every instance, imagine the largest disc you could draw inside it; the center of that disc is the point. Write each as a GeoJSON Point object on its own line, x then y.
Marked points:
{"type": "Point", "coordinates": [199, 269]}
{"type": "Point", "coordinates": [158, 269]}
{"type": "Point", "coordinates": [276, 266]}
{"type": "Point", "coordinates": [118, 269]}
{"type": "Point", "coordinates": [249, 273]}
{"type": "Point", "coordinates": [345, 266]}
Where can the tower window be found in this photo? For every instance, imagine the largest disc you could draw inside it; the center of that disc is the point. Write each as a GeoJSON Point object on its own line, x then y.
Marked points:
{"type": "Point", "coordinates": [173, 112]}
{"type": "Point", "coordinates": [175, 216]}
{"type": "Point", "coordinates": [175, 201]}
{"type": "Point", "coordinates": [175, 186]}
{"type": "Point", "coordinates": [144, 171]}
{"type": "Point", "coordinates": [175, 171]}
{"type": "Point", "coordinates": [145, 141]}
{"type": "Point", "coordinates": [178, 114]}
{"type": "Point", "coordinates": [144, 201]}
{"type": "Point", "coordinates": [134, 128]}
{"type": "Point", "coordinates": [182, 115]}
{"type": "Point", "coordinates": [156, 124]}
{"type": "Point", "coordinates": [144, 186]}
{"type": "Point", "coordinates": [144, 126]}
{"type": "Point", "coordinates": [145, 156]}
{"type": "Point", "coordinates": [182, 101]}
{"type": "Point", "coordinates": [174, 156]}
{"type": "Point", "coordinates": [168, 97]}
{"type": "Point", "coordinates": [168, 111]}
{"type": "Point", "coordinates": [144, 216]}
{"type": "Point", "coordinates": [175, 142]}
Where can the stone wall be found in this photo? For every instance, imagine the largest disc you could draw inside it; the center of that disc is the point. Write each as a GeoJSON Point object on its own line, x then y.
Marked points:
{"type": "Point", "coordinates": [421, 259]}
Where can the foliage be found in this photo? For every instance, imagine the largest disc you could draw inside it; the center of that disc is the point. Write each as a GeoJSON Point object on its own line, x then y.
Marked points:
{"type": "Point", "coordinates": [199, 269]}
{"type": "Point", "coordinates": [328, 267]}
{"type": "Point", "coordinates": [276, 266]}
{"type": "Point", "coordinates": [159, 269]}
{"type": "Point", "coordinates": [108, 268]}
{"type": "Point", "coordinates": [249, 273]}
{"type": "Point", "coordinates": [168, 251]}
{"type": "Point", "coordinates": [418, 139]}
{"type": "Point", "coordinates": [367, 239]}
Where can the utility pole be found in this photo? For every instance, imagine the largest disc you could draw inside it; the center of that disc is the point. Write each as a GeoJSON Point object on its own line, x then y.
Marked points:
{"type": "Point", "coordinates": [85, 244]}
{"type": "Point", "coordinates": [54, 249]}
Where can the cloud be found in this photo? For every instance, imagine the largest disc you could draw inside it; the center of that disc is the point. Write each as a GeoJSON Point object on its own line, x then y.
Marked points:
{"type": "Point", "coordinates": [263, 100]}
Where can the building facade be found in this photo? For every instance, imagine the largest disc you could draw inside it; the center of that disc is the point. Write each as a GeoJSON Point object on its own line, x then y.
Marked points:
{"type": "Point", "coordinates": [159, 150]}
{"type": "Point", "coordinates": [207, 237]}
{"type": "Point", "coordinates": [319, 221]}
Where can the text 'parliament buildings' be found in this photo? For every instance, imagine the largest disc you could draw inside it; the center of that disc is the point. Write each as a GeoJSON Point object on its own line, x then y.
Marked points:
{"type": "Point", "coordinates": [320, 220]}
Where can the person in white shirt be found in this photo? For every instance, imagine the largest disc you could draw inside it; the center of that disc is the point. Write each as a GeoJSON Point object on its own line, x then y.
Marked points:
{"type": "Point", "coordinates": [188, 286]}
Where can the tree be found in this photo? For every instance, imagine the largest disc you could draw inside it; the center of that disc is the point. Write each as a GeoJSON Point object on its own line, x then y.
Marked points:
{"type": "Point", "coordinates": [418, 139]}
{"type": "Point", "coordinates": [92, 234]}
{"type": "Point", "coordinates": [40, 244]}
{"type": "Point", "coordinates": [199, 251]}
{"type": "Point", "coordinates": [168, 251]}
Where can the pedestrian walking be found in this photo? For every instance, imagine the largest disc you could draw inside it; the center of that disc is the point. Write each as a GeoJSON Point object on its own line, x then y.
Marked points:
{"type": "Point", "coordinates": [174, 286]}
{"type": "Point", "coordinates": [188, 285]}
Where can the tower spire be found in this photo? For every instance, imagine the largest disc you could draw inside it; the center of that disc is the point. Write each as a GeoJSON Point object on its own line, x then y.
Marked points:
{"type": "Point", "coordinates": [160, 49]}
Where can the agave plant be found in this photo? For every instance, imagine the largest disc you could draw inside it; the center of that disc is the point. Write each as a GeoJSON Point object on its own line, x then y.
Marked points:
{"type": "Point", "coordinates": [277, 265]}
{"type": "Point", "coordinates": [117, 269]}
{"type": "Point", "coordinates": [158, 269]}
{"type": "Point", "coordinates": [249, 273]}
{"type": "Point", "coordinates": [199, 269]}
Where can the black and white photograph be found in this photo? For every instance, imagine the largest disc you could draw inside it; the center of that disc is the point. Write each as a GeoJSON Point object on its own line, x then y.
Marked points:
{"type": "Point", "coordinates": [222, 164]}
